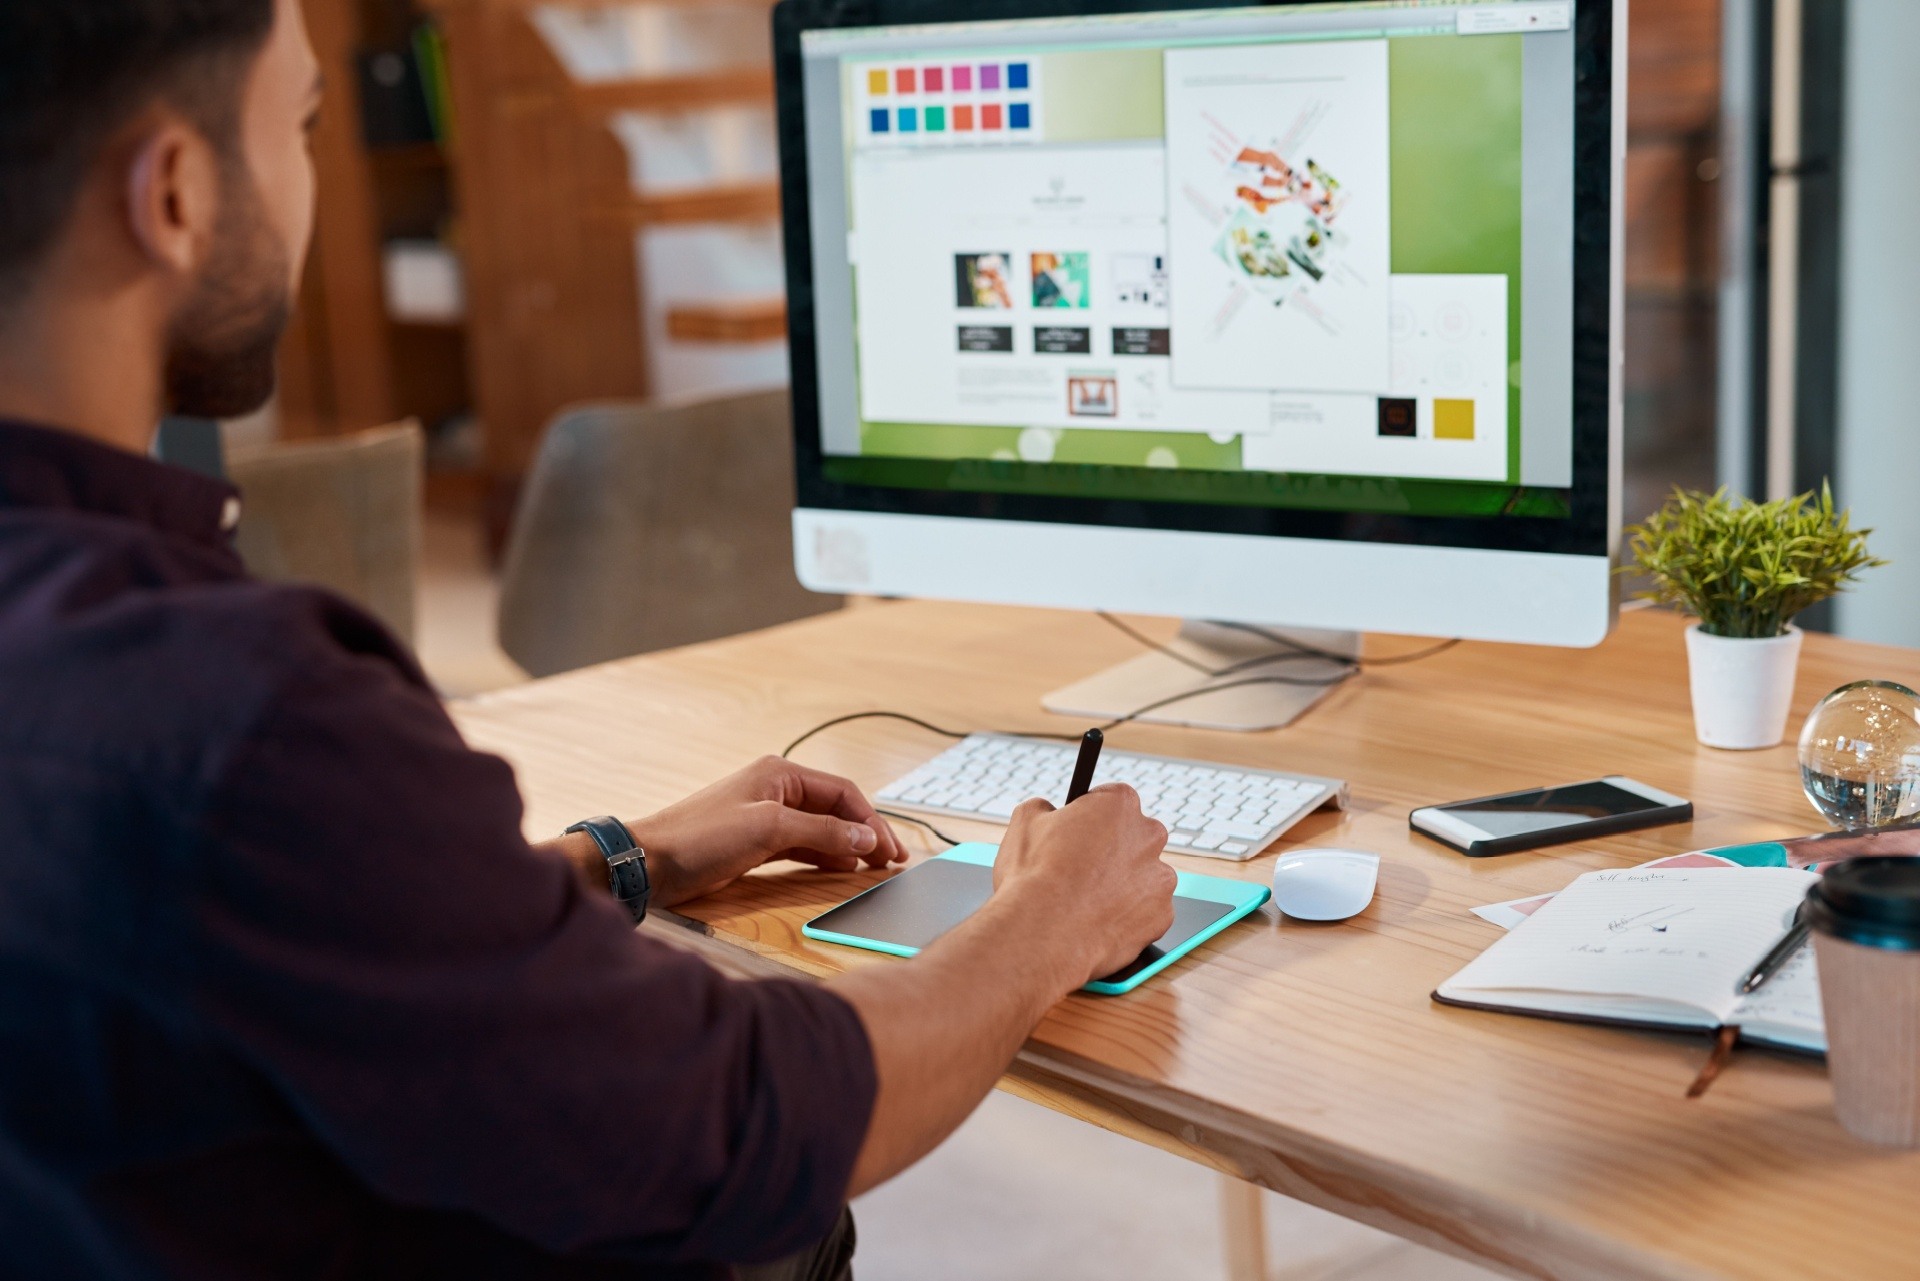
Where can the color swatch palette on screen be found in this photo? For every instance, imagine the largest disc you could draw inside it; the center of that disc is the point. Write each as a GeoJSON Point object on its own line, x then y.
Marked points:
{"type": "Point", "coordinates": [955, 101]}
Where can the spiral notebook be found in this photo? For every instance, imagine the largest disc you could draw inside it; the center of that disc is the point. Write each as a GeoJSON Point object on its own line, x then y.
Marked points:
{"type": "Point", "coordinates": [1656, 948]}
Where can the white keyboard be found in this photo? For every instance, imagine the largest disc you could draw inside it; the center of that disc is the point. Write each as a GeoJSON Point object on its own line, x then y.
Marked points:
{"type": "Point", "coordinates": [1222, 811]}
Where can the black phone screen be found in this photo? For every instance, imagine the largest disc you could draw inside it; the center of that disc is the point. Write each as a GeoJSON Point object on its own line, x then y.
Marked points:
{"type": "Point", "coordinates": [1550, 807]}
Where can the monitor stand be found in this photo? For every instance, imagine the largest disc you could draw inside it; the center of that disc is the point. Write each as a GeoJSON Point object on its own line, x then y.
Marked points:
{"type": "Point", "coordinates": [1154, 676]}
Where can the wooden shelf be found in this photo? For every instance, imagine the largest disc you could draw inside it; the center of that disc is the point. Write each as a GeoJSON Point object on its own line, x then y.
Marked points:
{"type": "Point", "coordinates": [547, 223]}
{"type": "Point", "coordinates": [675, 93]}
{"type": "Point", "coordinates": [746, 202]}
{"type": "Point", "coordinates": [762, 320]}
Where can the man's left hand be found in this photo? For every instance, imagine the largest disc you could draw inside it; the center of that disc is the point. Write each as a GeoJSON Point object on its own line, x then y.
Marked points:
{"type": "Point", "coordinates": [771, 810]}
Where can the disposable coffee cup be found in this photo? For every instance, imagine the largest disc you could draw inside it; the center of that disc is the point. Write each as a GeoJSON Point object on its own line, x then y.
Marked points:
{"type": "Point", "coordinates": [1865, 914]}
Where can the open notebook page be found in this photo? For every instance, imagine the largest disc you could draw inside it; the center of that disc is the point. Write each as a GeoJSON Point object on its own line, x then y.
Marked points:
{"type": "Point", "coordinates": [1653, 944]}
{"type": "Point", "coordinates": [1786, 1009]}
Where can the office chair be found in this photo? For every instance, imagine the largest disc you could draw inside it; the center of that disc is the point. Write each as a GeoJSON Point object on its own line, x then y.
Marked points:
{"type": "Point", "coordinates": [341, 512]}
{"type": "Point", "coordinates": [646, 526]}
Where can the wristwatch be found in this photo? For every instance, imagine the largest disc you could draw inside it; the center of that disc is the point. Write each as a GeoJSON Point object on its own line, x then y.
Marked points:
{"type": "Point", "coordinates": [626, 862]}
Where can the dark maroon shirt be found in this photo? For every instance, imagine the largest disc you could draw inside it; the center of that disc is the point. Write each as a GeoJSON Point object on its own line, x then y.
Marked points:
{"type": "Point", "coordinates": [283, 990]}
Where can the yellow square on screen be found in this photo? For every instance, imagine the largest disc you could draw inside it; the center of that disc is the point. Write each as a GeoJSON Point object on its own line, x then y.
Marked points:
{"type": "Point", "coordinates": [877, 82]}
{"type": "Point", "coordinates": [1453, 420]}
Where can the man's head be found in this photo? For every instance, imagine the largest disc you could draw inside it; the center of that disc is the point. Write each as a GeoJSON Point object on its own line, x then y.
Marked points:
{"type": "Point", "coordinates": [153, 159]}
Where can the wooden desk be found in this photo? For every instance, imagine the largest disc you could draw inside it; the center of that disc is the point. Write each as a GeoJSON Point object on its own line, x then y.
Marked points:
{"type": "Point", "coordinates": [1304, 1057]}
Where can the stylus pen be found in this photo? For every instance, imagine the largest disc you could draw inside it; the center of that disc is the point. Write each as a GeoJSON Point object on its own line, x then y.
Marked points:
{"type": "Point", "coordinates": [1771, 963]}
{"type": "Point", "coordinates": [1090, 743]}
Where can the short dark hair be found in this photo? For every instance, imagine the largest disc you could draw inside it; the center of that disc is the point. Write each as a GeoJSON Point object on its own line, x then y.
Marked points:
{"type": "Point", "coordinates": [73, 71]}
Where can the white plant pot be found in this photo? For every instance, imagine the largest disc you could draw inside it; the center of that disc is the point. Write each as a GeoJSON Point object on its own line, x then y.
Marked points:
{"type": "Point", "coordinates": [1742, 687]}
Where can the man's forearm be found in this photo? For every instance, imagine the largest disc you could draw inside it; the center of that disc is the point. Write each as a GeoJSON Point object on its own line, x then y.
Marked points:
{"type": "Point", "coordinates": [945, 1027]}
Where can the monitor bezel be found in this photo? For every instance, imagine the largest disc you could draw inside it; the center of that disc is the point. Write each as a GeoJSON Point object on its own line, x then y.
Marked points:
{"type": "Point", "coordinates": [1588, 529]}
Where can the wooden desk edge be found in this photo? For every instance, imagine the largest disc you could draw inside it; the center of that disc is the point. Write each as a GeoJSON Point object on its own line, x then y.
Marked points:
{"type": "Point", "coordinates": [1282, 1160]}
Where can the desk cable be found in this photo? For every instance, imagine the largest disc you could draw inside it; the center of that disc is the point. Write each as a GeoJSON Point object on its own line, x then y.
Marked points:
{"type": "Point", "coordinates": [1295, 651]}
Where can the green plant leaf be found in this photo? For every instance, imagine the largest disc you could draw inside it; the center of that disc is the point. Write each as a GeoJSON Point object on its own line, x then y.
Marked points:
{"type": "Point", "coordinates": [1744, 568]}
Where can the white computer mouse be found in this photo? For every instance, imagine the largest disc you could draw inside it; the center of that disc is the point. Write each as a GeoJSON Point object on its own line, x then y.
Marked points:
{"type": "Point", "coordinates": [1324, 885]}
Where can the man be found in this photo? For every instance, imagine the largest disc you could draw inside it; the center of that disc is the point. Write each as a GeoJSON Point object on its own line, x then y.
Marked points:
{"type": "Point", "coordinates": [283, 991]}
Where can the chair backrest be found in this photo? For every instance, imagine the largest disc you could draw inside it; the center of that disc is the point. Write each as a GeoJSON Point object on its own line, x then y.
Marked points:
{"type": "Point", "coordinates": [341, 512]}
{"type": "Point", "coordinates": [648, 526]}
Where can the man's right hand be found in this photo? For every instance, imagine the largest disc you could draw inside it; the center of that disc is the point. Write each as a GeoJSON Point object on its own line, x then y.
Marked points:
{"type": "Point", "coordinates": [1094, 870]}
{"type": "Point", "coordinates": [1078, 893]}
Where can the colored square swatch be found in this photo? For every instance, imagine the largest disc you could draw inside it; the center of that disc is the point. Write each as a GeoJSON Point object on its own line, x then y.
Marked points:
{"type": "Point", "coordinates": [1399, 417]}
{"type": "Point", "coordinates": [990, 115]}
{"type": "Point", "coordinates": [933, 79]}
{"type": "Point", "coordinates": [878, 118]}
{"type": "Point", "coordinates": [877, 82]}
{"type": "Point", "coordinates": [1019, 116]}
{"type": "Point", "coordinates": [962, 79]}
{"type": "Point", "coordinates": [963, 118]}
{"type": "Point", "coordinates": [936, 119]}
{"type": "Point", "coordinates": [1016, 75]}
{"type": "Point", "coordinates": [903, 80]}
{"type": "Point", "coordinates": [989, 75]}
{"type": "Point", "coordinates": [909, 120]}
{"type": "Point", "coordinates": [1453, 420]}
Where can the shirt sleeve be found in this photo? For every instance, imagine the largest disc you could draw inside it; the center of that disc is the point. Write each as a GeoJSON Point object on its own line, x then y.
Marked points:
{"type": "Point", "coordinates": [468, 1029]}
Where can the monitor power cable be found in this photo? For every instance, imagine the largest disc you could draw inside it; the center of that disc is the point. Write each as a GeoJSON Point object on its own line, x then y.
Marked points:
{"type": "Point", "coordinates": [1294, 651]}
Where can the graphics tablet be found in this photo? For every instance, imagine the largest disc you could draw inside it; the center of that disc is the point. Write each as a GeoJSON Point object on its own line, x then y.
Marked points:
{"type": "Point", "coordinates": [903, 915]}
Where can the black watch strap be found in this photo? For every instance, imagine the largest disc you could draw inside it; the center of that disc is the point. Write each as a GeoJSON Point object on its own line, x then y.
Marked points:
{"type": "Point", "coordinates": [626, 862]}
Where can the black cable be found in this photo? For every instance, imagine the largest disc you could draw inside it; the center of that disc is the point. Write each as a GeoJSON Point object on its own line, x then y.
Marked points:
{"type": "Point", "coordinates": [1298, 649]}
{"type": "Point", "coordinates": [1115, 723]}
{"type": "Point", "coordinates": [1350, 668]}
{"type": "Point", "coordinates": [1391, 660]}
{"type": "Point", "coordinates": [1297, 646]}
{"type": "Point", "coordinates": [1195, 664]}
{"type": "Point", "coordinates": [1394, 660]}
{"type": "Point", "coordinates": [1066, 738]}
{"type": "Point", "coordinates": [1183, 695]}
{"type": "Point", "coordinates": [918, 822]}
{"type": "Point", "coordinates": [929, 726]}
{"type": "Point", "coordinates": [1126, 629]}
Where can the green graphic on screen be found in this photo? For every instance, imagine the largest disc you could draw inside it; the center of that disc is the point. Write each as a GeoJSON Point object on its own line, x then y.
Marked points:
{"type": "Point", "coordinates": [1258, 272]}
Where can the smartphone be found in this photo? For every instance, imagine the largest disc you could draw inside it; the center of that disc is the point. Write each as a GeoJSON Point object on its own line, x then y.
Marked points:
{"type": "Point", "coordinates": [1548, 815]}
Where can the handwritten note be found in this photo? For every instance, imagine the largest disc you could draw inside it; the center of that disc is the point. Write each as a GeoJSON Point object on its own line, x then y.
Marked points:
{"type": "Point", "coordinates": [1788, 1004]}
{"type": "Point", "coordinates": [1657, 939]}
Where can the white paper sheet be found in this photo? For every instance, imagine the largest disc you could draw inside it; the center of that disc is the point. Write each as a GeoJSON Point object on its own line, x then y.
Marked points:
{"type": "Point", "coordinates": [1278, 215]}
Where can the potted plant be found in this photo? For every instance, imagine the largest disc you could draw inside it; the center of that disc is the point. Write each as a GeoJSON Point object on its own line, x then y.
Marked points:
{"type": "Point", "coordinates": [1744, 570]}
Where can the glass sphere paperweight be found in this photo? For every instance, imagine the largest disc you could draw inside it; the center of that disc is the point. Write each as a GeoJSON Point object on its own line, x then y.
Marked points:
{"type": "Point", "coordinates": [1860, 754]}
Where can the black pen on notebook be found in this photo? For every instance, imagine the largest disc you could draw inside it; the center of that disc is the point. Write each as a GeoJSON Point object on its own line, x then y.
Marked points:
{"type": "Point", "coordinates": [1782, 952]}
{"type": "Point", "coordinates": [1083, 767]}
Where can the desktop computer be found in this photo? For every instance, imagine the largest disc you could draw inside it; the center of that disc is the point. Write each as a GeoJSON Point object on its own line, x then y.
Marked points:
{"type": "Point", "coordinates": [1300, 315]}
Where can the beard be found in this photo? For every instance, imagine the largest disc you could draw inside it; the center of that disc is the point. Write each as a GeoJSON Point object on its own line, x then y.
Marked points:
{"type": "Point", "coordinates": [222, 342]}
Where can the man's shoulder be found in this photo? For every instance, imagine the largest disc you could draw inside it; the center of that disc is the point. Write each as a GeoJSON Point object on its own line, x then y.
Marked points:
{"type": "Point", "coordinates": [121, 648]}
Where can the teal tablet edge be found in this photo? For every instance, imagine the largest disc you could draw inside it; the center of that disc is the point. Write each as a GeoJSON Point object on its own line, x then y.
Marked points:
{"type": "Point", "coordinates": [1243, 898]}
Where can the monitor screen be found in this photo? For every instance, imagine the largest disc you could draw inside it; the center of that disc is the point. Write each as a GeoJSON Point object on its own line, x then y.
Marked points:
{"type": "Point", "coordinates": [1290, 269]}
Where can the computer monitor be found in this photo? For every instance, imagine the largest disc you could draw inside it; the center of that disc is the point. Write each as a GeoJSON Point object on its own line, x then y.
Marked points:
{"type": "Point", "coordinates": [1302, 315]}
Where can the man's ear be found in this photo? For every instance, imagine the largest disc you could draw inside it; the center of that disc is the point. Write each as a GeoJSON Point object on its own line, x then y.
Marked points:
{"type": "Point", "coordinates": [173, 197]}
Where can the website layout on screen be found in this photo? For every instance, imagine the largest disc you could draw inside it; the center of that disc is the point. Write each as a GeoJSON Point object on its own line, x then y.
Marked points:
{"type": "Point", "coordinates": [1235, 256]}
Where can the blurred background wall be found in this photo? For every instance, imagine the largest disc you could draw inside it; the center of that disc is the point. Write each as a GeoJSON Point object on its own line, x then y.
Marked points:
{"type": "Point", "coordinates": [1879, 321]}
{"type": "Point", "coordinates": [529, 206]}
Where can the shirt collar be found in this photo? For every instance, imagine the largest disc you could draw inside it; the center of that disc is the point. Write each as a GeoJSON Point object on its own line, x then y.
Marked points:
{"type": "Point", "coordinates": [61, 470]}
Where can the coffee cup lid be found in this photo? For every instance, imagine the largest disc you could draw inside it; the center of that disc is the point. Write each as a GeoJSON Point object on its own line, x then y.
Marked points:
{"type": "Point", "coordinates": [1871, 901]}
